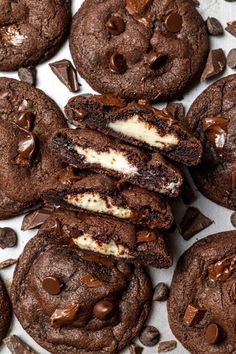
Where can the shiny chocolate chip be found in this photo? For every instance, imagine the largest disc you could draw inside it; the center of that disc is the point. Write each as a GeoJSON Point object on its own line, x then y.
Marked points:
{"type": "Point", "coordinates": [90, 281]}
{"type": "Point", "coordinates": [154, 59]}
{"type": "Point", "coordinates": [213, 333]}
{"type": "Point", "coordinates": [66, 316]}
{"type": "Point", "coordinates": [138, 7]}
{"type": "Point", "coordinates": [161, 292]}
{"type": "Point", "coordinates": [145, 236]}
{"type": "Point", "coordinates": [149, 336]}
{"type": "Point", "coordinates": [103, 310]}
{"type": "Point", "coordinates": [26, 150]}
{"type": "Point", "coordinates": [118, 63]}
{"type": "Point", "coordinates": [36, 218]}
{"type": "Point", "coordinates": [174, 22]}
{"type": "Point", "coordinates": [222, 270]}
{"type": "Point", "coordinates": [115, 25]}
{"type": "Point", "coordinates": [52, 285]}
{"type": "Point", "coordinates": [25, 120]}
{"type": "Point", "coordinates": [192, 315]}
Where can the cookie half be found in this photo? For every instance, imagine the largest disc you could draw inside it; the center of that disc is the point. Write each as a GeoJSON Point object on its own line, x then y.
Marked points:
{"type": "Point", "coordinates": [5, 311]}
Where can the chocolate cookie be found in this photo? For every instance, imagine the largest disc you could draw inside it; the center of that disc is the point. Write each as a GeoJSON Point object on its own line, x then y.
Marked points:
{"type": "Point", "coordinates": [5, 311]}
{"type": "Point", "coordinates": [31, 31]}
{"type": "Point", "coordinates": [100, 194]}
{"type": "Point", "coordinates": [148, 49]}
{"type": "Point", "coordinates": [138, 124]}
{"type": "Point", "coordinates": [87, 148]}
{"type": "Point", "coordinates": [202, 301]}
{"type": "Point", "coordinates": [212, 117]}
{"type": "Point", "coordinates": [71, 305]}
{"type": "Point", "coordinates": [27, 119]}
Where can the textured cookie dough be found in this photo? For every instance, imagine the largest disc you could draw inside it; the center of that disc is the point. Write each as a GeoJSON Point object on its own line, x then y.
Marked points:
{"type": "Point", "coordinates": [5, 312]}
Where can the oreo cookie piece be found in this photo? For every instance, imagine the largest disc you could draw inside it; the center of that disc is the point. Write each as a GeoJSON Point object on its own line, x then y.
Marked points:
{"type": "Point", "coordinates": [138, 124]}
{"type": "Point", "coordinates": [148, 49]}
{"type": "Point", "coordinates": [5, 311]}
{"type": "Point", "coordinates": [87, 148]}
{"type": "Point", "coordinates": [72, 305]}
{"type": "Point", "coordinates": [212, 118]}
{"type": "Point", "coordinates": [100, 194]}
{"type": "Point", "coordinates": [31, 31]}
{"type": "Point", "coordinates": [202, 300]}
{"type": "Point", "coordinates": [27, 120]}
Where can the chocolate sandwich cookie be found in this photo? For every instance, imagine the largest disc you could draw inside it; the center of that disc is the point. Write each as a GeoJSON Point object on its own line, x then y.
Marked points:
{"type": "Point", "coordinates": [150, 49]}
{"type": "Point", "coordinates": [212, 117]}
{"type": "Point", "coordinates": [27, 119]}
{"type": "Point", "coordinates": [138, 124]}
{"type": "Point", "coordinates": [31, 31]}
{"type": "Point", "coordinates": [87, 148]}
{"type": "Point", "coordinates": [5, 312]}
{"type": "Point", "coordinates": [100, 194]}
{"type": "Point", "coordinates": [202, 300]}
{"type": "Point", "coordinates": [71, 305]}
{"type": "Point", "coordinates": [94, 235]}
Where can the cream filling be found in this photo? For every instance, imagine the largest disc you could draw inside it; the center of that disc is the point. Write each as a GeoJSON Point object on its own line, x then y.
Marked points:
{"type": "Point", "coordinates": [112, 160]}
{"type": "Point", "coordinates": [94, 202]}
{"type": "Point", "coordinates": [135, 128]}
{"type": "Point", "coordinates": [86, 242]}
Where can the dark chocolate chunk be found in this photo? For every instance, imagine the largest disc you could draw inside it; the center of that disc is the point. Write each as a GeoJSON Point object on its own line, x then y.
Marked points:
{"type": "Point", "coordinates": [216, 63]}
{"type": "Point", "coordinates": [27, 75]}
{"type": "Point", "coordinates": [7, 263]}
{"type": "Point", "coordinates": [52, 285]}
{"type": "Point", "coordinates": [135, 349]}
{"type": "Point", "coordinates": [216, 131]}
{"type": "Point", "coordinates": [231, 28]}
{"type": "Point", "coordinates": [145, 236]}
{"type": "Point", "coordinates": [231, 58]}
{"type": "Point", "coordinates": [36, 219]}
{"type": "Point", "coordinates": [115, 25]}
{"type": "Point", "coordinates": [167, 346]}
{"type": "Point", "coordinates": [213, 333]}
{"type": "Point", "coordinates": [174, 22]}
{"type": "Point", "coordinates": [176, 110]}
{"type": "Point", "coordinates": [192, 315]}
{"type": "Point", "coordinates": [223, 269]}
{"type": "Point", "coordinates": [154, 59]}
{"type": "Point", "coordinates": [17, 346]}
{"type": "Point", "coordinates": [193, 222]}
{"type": "Point", "coordinates": [90, 281]}
{"type": "Point", "coordinates": [66, 73]}
{"type": "Point", "coordinates": [118, 63]}
{"type": "Point", "coordinates": [25, 120]}
{"type": "Point", "coordinates": [214, 26]}
{"type": "Point", "coordinates": [8, 237]}
{"type": "Point", "coordinates": [66, 316]}
{"type": "Point", "coordinates": [232, 293]}
{"type": "Point", "coordinates": [26, 150]}
{"type": "Point", "coordinates": [149, 336]}
{"type": "Point", "coordinates": [233, 219]}
{"type": "Point", "coordinates": [138, 7]}
{"type": "Point", "coordinates": [188, 196]}
{"type": "Point", "coordinates": [161, 292]}
{"type": "Point", "coordinates": [103, 310]}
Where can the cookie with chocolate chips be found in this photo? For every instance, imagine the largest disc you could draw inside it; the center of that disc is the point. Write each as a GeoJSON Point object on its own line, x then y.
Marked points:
{"type": "Point", "coordinates": [148, 49]}
{"type": "Point", "coordinates": [202, 300]}
{"type": "Point", "coordinates": [5, 312]}
{"type": "Point", "coordinates": [212, 118]}
{"type": "Point", "coordinates": [27, 119]}
{"type": "Point", "coordinates": [73, 305]}
{"type": "Point", "coordinates": [31, 31]}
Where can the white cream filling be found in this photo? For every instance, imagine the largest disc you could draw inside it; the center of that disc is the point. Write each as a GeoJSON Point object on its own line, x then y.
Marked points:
{"type": "Point", "coordinates": [94, 202]}
{"type": "Point", "coordinates": [112, 160]}
{"type": "Point", "coordinates": [135, 128]}
{"type": "Point", "coordinates": [86, 242]}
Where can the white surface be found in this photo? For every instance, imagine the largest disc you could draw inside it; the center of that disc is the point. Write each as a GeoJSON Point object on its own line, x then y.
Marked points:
{"type": "Point", "coordinates": [48, 82]}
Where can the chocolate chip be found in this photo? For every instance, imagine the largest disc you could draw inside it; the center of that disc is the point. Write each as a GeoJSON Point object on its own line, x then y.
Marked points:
{"type": "Point", "coordinates": [135, 349]}
{"type": "Point", "coordinates": [154, 59]}
{"type": "Point", "coordinates": [192, 315]}
{"type": "Point", "coordinates": [167, 346]}
{"type": "Point", "coordinates": [193, 222]}
{"type": "Point", "coordinates": [174, 22]}
{"type": "Point", "coordinates": [3, 94]}
{"type": "Point", "coordinates": [105, 261]}
{"type": "Point", "coordinates": [90, 281]}
{"type": "Point", "coordinates": [8, 237]}
{"type": "Point", "coordinates": [27, 75]}
{"type": "Point", "coordinates": [17, 346]}
{"type": "Point", "coordinates": [231, 28]}
{"type": "Point", "coordinates": [110, 101]}
{"type": "Point", "coordinates": [25, 120]}
{"type": "Point", "coordinates": [9, 262]}
{"type": "Point", "coordinates": [222, 270]}
{"type": "Point", "coordinates": [118, 63]}
{"type": "Point", "coordinates": [149, 336]}
{"type": "Point", "coordinates": [176, 110]}
{"type": "Point", "coordinates": [66, 73]}
{"type": "Point", "coordinates": [37, 218]}
{"type": "Point", "coordinates": [103, 310]}
{"type": "Point", "coordinates": [138, 7]}
{"type": "Point", "coordinates": [161, 292]}
{"type": "Point", "coordinates": [216, 63]}
{"type": "Point", "coordinates": [188, 196]}
{"type": "Point", "coordinates": [213, 333]}
{"type": "Point", "coordinates": [145, 236]}
{"type": "Point", "coordinates": [216, 131]}
{"type": "Point", "coordinates": [214, 26]}
{"type": "Point", "coordinates": [231, 58]}
{"type": "Point", "coordinates": [52, 285]}
{"type": "Point", "coordinates": [115, 25]}
{"type": "Point", "coordinates": [26, 150]}
{"type": "Point", "coordinates": [66, 316]}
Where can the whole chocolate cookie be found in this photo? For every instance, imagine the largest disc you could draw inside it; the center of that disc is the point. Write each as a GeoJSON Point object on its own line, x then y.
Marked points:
{"type": "Point", "coordinates": [71, 305]}
{"type": "Point", "coordinates": [212, 117]}
{"type": "Point", "coordinates": [27, 119]}
{"type": "Point", "coordinates": [202, 300]}
{"type": "Point", "coordinates": [5, 311]}
{"type": "Point", "coordinates": [31, 31]}
{"type": "Point", "coordinates": [148, 49]}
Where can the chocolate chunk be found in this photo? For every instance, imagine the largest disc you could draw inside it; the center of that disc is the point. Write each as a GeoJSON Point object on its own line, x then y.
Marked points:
{"type": "Point", "coordinates": [52, 285]}
{"type": "Point", "coordinates": [103, 310]}
{"type": "Point", "coordinates": [192, 315]}
{"type": "Point", "coordinates": [154, 59]}
{"type": "Point", "coordinates": [188, 196]}
{"type": "Point", "coordinates": [26, 150]}
{"type": "Point", "coordinates": [145, 236]}
{"type": "Point", "coordinates": [232, 293]}
{"type": "Point", "coordinates": [107, 262]}
{"type": "Point", "coordinates": [8, 237]}
{"type": "Point", "coordinates": [110, 101]}
{"type": "Point", "coordinates": [25, 120]}
{"type": "Point", "coordinates": [222, 270]}
{"type": "Point", "coordinates": [91, 282]}
{"type": "Point", "coordinates": [214, 26]}
{"type": "Point", "coordinates": [174, 22]}
{"type": "Point", "coordinates": [231, 28]}
{"type": "Point", "coordinates": [115, 25]}
{"type": "Point", "coordinates": [176, 110]}
{"type": "Point", "coordinates": [118, 63]}
{"type": "Point", "coordinates": [9, 262]}
{"type": "Point", "coordinates": [167, 346]}
{"type": "Point", "coordinates": [66, 73]}
{"type": "Point", "coordinates": [213, 333]}
{"type": "Point", "coordinates": [149, 336]}
{"type": "Point", "coordinates": [138, 7]}
{"type": "Point", "coordinates": [233, 219]}
{"type": "Point", "coordinates": [161, 292]}
{"type": "Point", "coordinates": [135, 349]}
{"type": "Point", "coordinates": [17, 346]}
{"type": "Point", "coordinates": [36, 219]}
{"type": "Point", "coordinates": [66, 316]}
{"type": "Point", "coordinates": [193, 222]}
{"type": "Point", "coordinates": [27, 75]}
{"type": "Point", "coordinates": [3, 94]}
{"type": "Point", "coordinates": [216, 131]}
{"type": "Point", "coordinates": [216, 63]}
{"type": "Point", "coordinates": [231, 58]}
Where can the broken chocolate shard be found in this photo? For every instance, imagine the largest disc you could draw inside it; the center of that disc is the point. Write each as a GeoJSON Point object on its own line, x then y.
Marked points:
{"type": "Point", "coordinates": [138, 7]}
{"type": "Point", "coordinates": [36, 219]}
{"type": "Point", "coordinates": [193, 315]}
{"type": "Point", "coordinates": [8, 237]}
{"type": "Point", "coordinates": [167, 346]}
{"type": "Point", "coordinates": [65, 316]}
{"type": "Point", "coordinates": [17, 346]}
{"type": "Point", "coordinates": [231, 60]}
{"type": "Point", "coordinates": [176, 110]}
{"type": "Point", "coordinates": [25, 120]}
{"type": "Point", "coordinates": [216, 63]}
{"type": "Point", "coordinates": [27, 75]}
{"type": "Point", "coordinates": [188, 196]}
{"type": "Point", "coordinates": [66, 73]}
{"type": "Point", "coordinates": [135, 349]}
{"type": "Point", "coordinates": [214, 26]}
{"type": "Point", "coordinates": [7, 263]}
{"type": "Point", "coordinates": [27, 149]}
{"type": "Point", "coordinates": [193, 222]}
{"type": "Point", "coordinates": [231, 28]}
